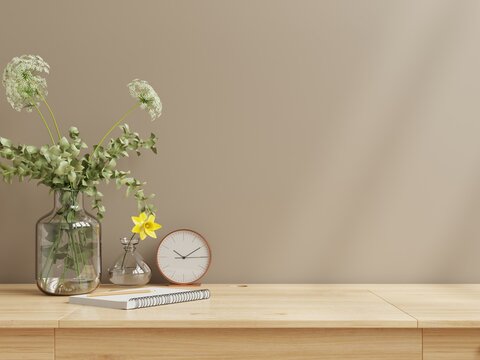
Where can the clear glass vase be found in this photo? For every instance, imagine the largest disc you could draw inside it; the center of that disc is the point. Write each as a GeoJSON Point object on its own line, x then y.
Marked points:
{"type": "Point", "coordinates": [68, 247]}
{"type": "Point", "coordinates": [130, 268]}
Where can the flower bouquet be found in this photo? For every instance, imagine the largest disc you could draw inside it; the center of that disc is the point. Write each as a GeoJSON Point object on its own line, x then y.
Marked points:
{"type": "Point", "coordinates": [68, 257]}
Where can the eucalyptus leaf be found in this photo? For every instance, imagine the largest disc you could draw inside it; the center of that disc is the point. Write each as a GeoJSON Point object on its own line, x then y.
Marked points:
{"type": "Point", "coordinates": [46, 250]}
{"type": "Point", "coordinates": [69, 262]}
{"type": "Point", "coordinates": [63, 166]}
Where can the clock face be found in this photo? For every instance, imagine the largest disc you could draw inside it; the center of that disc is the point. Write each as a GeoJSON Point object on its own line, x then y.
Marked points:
{"type": "Point", "coordinates": [183, 257]}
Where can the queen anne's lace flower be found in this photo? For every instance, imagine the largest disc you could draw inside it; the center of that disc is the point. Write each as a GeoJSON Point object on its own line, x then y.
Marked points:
{"type": "Point", "coordinates": [146, 95]}
{"type": "Point", "coordinates": [24, 86]}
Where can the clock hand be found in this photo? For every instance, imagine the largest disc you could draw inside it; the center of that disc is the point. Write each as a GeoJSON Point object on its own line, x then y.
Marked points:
{"type": "Point", "coordinates": [191, 257]}
{"type": "Point", "coordinates": [193, 251]}
{"type": "Point", "coordinates": [175, 251]}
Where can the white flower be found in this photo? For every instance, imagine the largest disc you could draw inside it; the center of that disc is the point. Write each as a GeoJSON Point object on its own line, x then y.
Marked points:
{"type": "Point", "coordinates": [146, 95]}
{"type": "Point", "coordinates": [23, 85]}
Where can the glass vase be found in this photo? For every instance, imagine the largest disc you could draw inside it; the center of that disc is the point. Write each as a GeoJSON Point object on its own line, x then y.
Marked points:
{"type": "Point", "coordinates": [68, 252]}
{"type": "Point", "coordinates": [130, 268]}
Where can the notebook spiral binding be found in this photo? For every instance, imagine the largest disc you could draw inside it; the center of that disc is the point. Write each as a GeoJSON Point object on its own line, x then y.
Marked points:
{"type": "Point", "coordinates": [155, 300]}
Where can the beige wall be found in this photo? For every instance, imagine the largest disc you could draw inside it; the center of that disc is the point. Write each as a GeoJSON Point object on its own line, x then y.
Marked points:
{"type": "Point", "coordinates": [309, 141]}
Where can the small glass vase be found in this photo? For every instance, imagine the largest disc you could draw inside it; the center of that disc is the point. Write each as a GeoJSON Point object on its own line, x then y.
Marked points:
{"type": "Point", "coordinates": [130, 268]}
{"type": "Point", "coordinates": [68, 250]}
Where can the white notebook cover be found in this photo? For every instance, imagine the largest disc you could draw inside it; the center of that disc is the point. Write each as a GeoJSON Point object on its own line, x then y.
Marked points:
{"type": "Point", "coordinates": [156, 296]}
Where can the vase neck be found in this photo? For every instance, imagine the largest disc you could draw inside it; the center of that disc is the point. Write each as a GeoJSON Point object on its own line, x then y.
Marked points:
{"type": "Point", "coordinates": [129, 244]}
{"type": "Point", "coordinates": [68, 200]}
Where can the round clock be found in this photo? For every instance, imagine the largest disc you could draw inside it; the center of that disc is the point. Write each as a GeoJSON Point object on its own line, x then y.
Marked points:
{"type": "Point", "coordinates": [183, 256]}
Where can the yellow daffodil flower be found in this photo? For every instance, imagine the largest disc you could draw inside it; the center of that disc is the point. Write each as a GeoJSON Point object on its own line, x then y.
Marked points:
{"type": "Point", "coordinates": [145, 226]}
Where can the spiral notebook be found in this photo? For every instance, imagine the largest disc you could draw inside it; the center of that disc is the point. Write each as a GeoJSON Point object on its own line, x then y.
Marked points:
{"type": "Point", "coordinates": [140, 298]}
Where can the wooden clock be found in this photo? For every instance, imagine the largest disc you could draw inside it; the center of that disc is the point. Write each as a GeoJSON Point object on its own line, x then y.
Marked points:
{"type": "Point", "coordinates": [183, 257]}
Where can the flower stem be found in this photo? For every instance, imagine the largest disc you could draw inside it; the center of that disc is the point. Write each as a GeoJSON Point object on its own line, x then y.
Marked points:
{"type": "Point", "coordinates": [45, 123]}
{"type": "Point", "coordinates": [71, 244]}
{"type": "Point", "coordinates": [53, 117]}
{"type": "Point", "coordinates": [116, 124]}
{"type": "Point", "coordinates": [125, 255]}
{"type": "Point", "coordinates": [81, 245]}
{"type": "Point", "coordinates": [51, 255]}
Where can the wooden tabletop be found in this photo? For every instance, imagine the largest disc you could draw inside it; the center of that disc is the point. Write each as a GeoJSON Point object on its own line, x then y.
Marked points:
{"type": "Point", "coordinates": [436, 306]}
{"type": "Point", "coordinates": [260, 306]}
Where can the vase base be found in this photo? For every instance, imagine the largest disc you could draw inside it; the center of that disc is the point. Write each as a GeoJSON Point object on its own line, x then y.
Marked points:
{"type": "Point", "coordinates": [53, 286]}
{"type": "Point", "coordinates": [121, 279]}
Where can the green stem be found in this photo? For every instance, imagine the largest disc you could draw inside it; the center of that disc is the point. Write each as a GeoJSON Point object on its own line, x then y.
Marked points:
{"type": "Point", "coordinates": [53, 117]}
{"type": "Point", "coordinates": [81, 247]}
{"type": "Point", "coordinates": [74, 251]}
{"type": "Point", "coordinates": [128, 247]}
{"type": "Point", "coordinates": [50, 257]}
{"type": "Point", "coordinates": [116, 124]}
{"type": "Point", "coordinates": [71, 237]}
{"type": "Point", "coordinates": [60, 281]}
{"type": "Point", "coordinates": [49, 261]}
{"type": "Point", "coordinates": [45, 123]}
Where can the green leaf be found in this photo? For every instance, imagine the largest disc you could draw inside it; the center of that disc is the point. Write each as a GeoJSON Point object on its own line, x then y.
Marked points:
{"type": "Point", "coordinates": [73, 132]}
{"type": "Point", "coordinates": [31, 149]}
{"type": "Point", "coordinates": [63, 168]}
{"type": "Point", "coordinates": [45, 250]}
{"type": "Point", "coordinates": [72, 176]}
{"type": "Point", "coordinates": [64, 144]}
{"type": "Point", "coordinates": [69, 263]}
{"type": "Point", "coordinates": [5, 142]}
{"type": "Point", "coordinates": [70, 216]}
{"type": "Point", "coordinates": [52, 232]}
{"type": "Point", "coordinates": [60, 255]}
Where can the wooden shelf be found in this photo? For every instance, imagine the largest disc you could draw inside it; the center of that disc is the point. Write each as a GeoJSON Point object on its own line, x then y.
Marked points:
{"type": "Point", "coordinates": [399, 322]}
{"type": "Point", "coordinates": [436, 306]}
{"type": "Point", "coordinates": [230, 306]}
